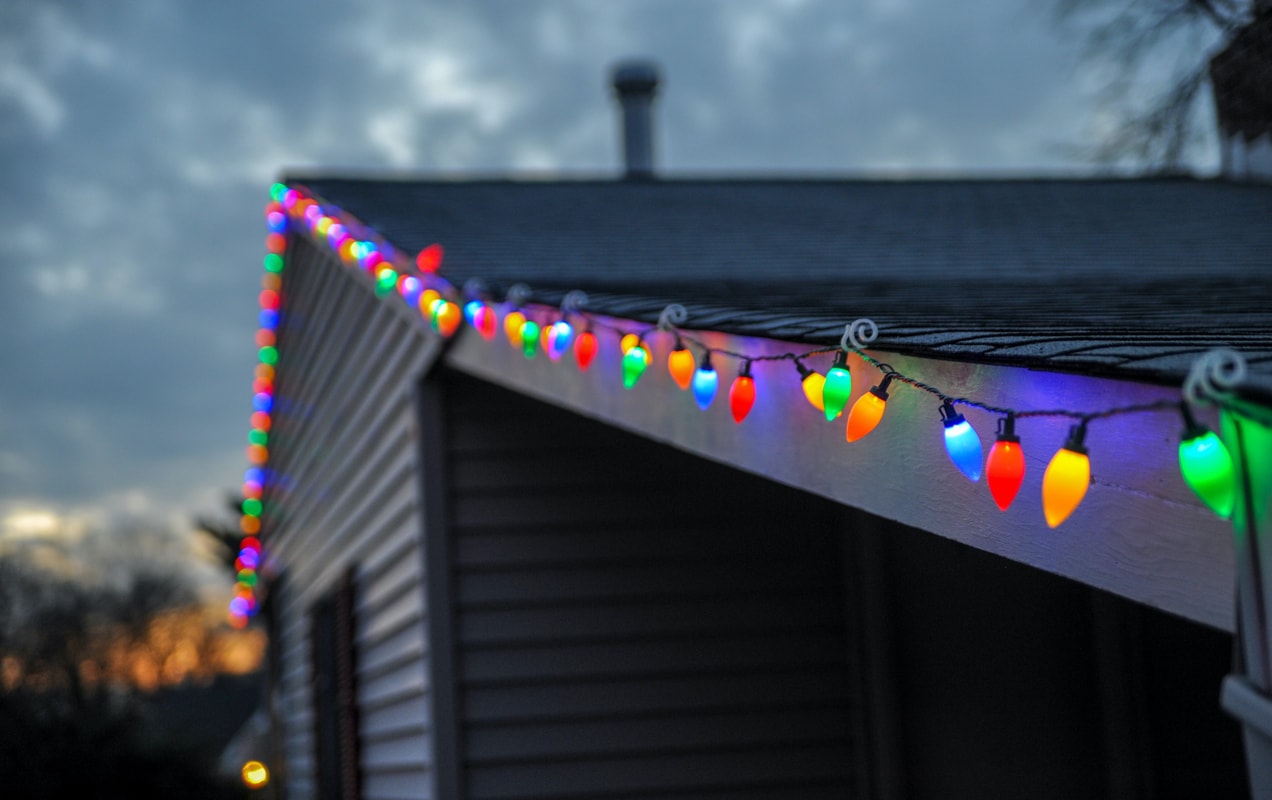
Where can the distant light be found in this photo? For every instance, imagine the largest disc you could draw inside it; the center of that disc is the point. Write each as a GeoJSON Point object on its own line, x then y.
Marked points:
{"type": "Point", "coordinates": [255, 775]}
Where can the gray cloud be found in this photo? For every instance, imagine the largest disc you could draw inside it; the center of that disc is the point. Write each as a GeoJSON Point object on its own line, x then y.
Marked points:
{"type": "Point", "coordinates": [139, 140]}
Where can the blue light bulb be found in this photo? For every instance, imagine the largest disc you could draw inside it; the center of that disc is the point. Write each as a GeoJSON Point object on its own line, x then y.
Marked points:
{"type": "Point", "coordinates": [560, 337]}
{"type": "Point", "coordinates": [470, 311]}
{"type": "Point", "coordinates": [705, 382]}
{"type": "Point", "coordinates": [961, 442]}
{"type": "Point", "coordinates": [411, 290]}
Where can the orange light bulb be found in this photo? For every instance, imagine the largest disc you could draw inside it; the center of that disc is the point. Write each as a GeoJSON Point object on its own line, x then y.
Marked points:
{"type": "Point", "coordinates": [868, 410]}
{"type": "Point", "coordinates": [681, 366]}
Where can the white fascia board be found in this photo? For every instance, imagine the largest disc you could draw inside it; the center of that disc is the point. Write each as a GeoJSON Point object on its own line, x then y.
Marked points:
{"type": "Point", "coordinates": [1139, 533]}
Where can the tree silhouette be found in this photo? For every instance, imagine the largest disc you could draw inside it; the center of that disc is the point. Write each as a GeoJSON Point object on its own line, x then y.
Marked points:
{"type": "Point", "coordinates": [1140, 41]}
{"type": "Point", "coordinates": [89, 623]}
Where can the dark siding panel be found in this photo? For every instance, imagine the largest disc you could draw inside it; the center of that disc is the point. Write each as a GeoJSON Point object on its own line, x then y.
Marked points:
{"type": "Point", "coordinates": [631, 621]}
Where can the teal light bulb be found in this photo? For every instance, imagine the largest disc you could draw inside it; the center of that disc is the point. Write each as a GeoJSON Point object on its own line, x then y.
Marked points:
{"type": "Point", "coordinates": [1207, 469]}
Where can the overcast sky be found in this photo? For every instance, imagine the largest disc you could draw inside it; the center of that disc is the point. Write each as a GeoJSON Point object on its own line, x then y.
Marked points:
{"type": "Point", "coordinates": [138, 139]}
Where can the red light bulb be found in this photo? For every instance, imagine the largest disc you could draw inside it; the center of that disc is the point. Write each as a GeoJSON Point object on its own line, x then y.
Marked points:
{"type": "Point", "coordinates": [742, 394]}
{"type": "Point", "coordinates": [485, 321]}
{"type": "Point", "coordinates": [585, 349]}
{"type": "Point", "coordinates": [430, 258]}
{"type": "Point", "coordinates": [1005, 467]}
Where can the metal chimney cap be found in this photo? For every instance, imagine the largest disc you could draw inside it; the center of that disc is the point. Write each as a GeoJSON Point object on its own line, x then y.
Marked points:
{"type": "Point", "coordinates": [635, 77]}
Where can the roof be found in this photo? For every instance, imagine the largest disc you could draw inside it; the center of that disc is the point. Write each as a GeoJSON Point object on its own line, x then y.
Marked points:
{"type": "Point", "coordinates": [1129, 278]}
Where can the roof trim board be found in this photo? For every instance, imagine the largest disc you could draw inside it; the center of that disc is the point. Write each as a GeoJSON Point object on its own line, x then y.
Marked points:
{"type": "Point", "coordinates": [1144, 537]}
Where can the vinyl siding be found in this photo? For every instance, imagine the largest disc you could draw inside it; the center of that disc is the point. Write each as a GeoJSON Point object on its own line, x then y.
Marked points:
{"type": "Point", "coordinates": [343, 453]}
{"type": "Point", "coordinates": [633, 622]}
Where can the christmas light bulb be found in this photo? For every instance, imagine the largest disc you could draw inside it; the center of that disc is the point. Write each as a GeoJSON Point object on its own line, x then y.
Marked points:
{"type": "Point", "coordinates": [430, 258]}
{"type": "Point", "coordinates": [512, 328]}
{"type": "Point", "coordinates": [1206, 466]}
{"type": "Point", "coordinates": [1065, 482]}
{"type": "Point", "coordinates": [529, 337]}
{"type": "Point", "coordinates": [427, 298]}
{"type": "Point", "coordinates": [635, 360]}
{"type": "Point", "coordinates": [742, 394]}
{"type": "Point", "coordinates": [837, 387]}
{"type": "Point", "coordinates": [446, 318]}
{"type": "Point", "coordinates": [680, 363]}
{"type": "Point", "coordinates": [812, 382]}
{"type": "Point", "coordinates": [1005, 467]}
{"type": "Point", "coordinates": [560, 337]}
{"type": "Point", "coordinates": [705, 382]}
{"type": "Point", "coordinates": [486, 322]}
{"type": "Point", "coordinates": [585, 349]}
{"type": "Point", "coordinates": [410, 288]}
{"type": "Point", "coordinates": [632, 340]}
{"type": "Point", "coordinates": [961, 442]}
{"type": "Point", "coordinates": [470, 311]}
{"type": "Point", "coordinates": [385, 281]}
{"type": "Point", "coordinates": [868, 410]}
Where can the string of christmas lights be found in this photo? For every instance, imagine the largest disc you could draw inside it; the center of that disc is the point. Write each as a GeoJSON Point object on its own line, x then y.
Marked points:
{"type": "Point", "coordinates": [1205, 463]}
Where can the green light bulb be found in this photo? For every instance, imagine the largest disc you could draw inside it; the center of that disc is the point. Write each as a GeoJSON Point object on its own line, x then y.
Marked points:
{"type": "Point", "coordinates": [257, 436]}
{"type": "Point", "coordinates": [634, 363]}
{"type": "Point", "coordinates": [385, 281]}
{"type": "Point", "coordinates": [1207, 469]}
{"type": "Point", "coordinates": [838, 387]}
{"type": "Point", "coordinates": [529, 337]}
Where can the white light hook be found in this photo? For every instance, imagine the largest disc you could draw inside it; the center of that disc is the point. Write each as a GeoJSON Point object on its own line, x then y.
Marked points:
{"type": "Point", "coordinates": [517, 294]}
{"type": "Point", "coordinates": [1214, 374]}
{"type": "Point", "coordinates": [572, 301]}
{"type": "Point", "coordinates": [672, 315]}
{"type": "Point", "coordinates": [858, 334]}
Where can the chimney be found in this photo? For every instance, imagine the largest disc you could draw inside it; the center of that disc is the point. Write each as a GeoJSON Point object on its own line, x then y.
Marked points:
{"type": "Point", "coordinates": [634, 83]}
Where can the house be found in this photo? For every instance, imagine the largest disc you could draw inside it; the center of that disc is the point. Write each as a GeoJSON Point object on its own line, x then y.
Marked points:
{"type": "Point", "coordinates": [497, 569]}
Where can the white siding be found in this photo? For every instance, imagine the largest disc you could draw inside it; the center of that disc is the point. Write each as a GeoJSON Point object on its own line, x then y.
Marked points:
{"type": "Point", "coordinates": [344, 451]}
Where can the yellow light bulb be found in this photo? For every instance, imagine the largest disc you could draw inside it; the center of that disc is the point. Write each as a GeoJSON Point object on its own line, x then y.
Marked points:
{"type": "Point", "coordinates": [1066, 480]}
{"type": "Point", "coordinates": [813, 384]}
{"type": "Point", "coordinates": [255, 775]}
{"type": "Point", "coordinates": [512, 328]}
